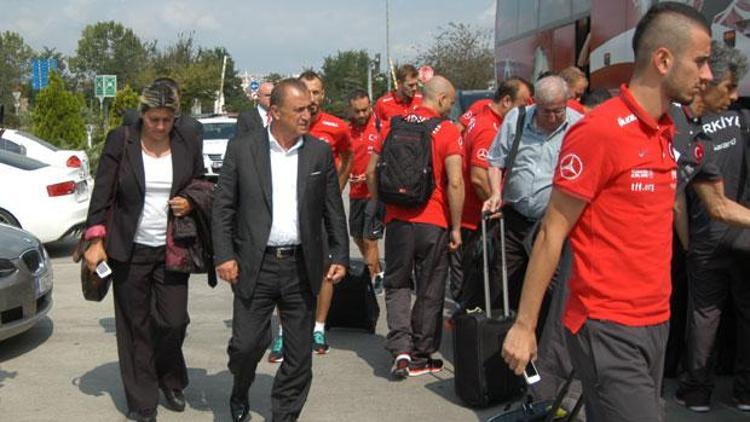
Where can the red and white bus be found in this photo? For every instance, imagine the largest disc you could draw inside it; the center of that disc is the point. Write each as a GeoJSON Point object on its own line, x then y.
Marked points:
{"type": "Point", "coordinates": [534, 36]}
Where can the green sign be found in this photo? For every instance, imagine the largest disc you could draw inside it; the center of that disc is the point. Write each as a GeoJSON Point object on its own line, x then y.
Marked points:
{"type": "Point", "coordinates": [105, 86]}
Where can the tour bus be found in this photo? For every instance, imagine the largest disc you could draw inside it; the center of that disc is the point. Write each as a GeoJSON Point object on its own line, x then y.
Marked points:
{"type": "Point", "coordinates": [534, 36]}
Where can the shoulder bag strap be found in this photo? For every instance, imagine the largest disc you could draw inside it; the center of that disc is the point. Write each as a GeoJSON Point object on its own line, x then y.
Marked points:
{"type": "Point", "coordinates": [514, 149]}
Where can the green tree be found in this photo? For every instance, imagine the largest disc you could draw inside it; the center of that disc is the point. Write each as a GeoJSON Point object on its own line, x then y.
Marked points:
{"type": "Point", "coordinates": [57, 115]}
{"type": "Point", "coordinates": [462, 54]}
{"type": "Point", "coordinates": [343, 73]}
{"type": "Point", "coordinates": [15, 67]}
{"type": "Point", "coordinates": [112, 49]}
{"type": "Point", "coordinates": [275, 77]}
{"type": "Point", "coordinates": [126, 98]}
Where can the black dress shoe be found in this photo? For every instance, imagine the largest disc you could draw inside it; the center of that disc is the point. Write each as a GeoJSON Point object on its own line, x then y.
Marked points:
{"type": "Point", "coordinates": [142, 416]}
{"type": "Point", "coordinates": [175, 399]}
{"type": "Point", "coordinates": [240, 411]}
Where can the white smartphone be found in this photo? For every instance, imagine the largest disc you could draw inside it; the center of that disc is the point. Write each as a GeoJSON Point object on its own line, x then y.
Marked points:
{"type": "Point", "coordinates": [103, 270]}
{"type": "Point", "coordinates": [530, 374]}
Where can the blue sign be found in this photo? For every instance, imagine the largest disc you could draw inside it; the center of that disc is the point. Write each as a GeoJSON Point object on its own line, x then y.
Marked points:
{"type": "Point", "coordinates": [254, 85]}
{"type": "Point", "coordinates": [40, 69]}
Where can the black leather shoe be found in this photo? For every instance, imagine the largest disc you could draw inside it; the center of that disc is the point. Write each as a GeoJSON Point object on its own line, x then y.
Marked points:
{"type": "Point", "coordinates": [175, 399]}
{"type": "Point", "coordinates": [142, 416]}
{"type": "Point", "coordinates": [240, 411]}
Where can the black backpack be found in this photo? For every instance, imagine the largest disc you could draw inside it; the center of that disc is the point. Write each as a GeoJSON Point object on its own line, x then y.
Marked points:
{"type": "Point", "coordinates": [404, 170]}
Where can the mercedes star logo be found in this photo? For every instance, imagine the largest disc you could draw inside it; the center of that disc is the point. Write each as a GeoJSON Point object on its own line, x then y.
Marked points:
{"type": "Point", "coordinates": [571, 167]}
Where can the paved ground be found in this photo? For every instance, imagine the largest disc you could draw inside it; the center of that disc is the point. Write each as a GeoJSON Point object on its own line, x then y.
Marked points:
{"type": "Point", "coordinates": [66, 369]}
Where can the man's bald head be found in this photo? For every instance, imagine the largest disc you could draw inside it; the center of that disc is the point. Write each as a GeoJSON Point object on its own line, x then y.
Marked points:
{"type": "Point", "coordinates": [439, 95]}
{"type": "Point", "coordinates": [666, 25]}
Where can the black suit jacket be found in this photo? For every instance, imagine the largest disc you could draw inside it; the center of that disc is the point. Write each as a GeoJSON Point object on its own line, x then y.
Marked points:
{"type": "Point", "coordinates": [122, 159]}
{"type": "Point", "coordinates": [242, 213]}
{"type": "Point", "coordinates": [248, 121]}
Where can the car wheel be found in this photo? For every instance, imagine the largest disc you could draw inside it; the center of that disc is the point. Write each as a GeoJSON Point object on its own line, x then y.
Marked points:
{"type": "Point", "coordinates": [7, 218]}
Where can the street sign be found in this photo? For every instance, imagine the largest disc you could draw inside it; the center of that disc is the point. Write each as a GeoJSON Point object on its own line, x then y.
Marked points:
{"type": "Point", "coordinates": [105, 86]}
{"type": "Point", "coordinates": [254, 85]}
{"type": "Point", "coordinates": [40, 69]}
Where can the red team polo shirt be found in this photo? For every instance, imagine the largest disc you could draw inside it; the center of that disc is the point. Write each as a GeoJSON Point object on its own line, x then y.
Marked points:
{"type": "Point", "coordinates": [576, 105]}
{"type": "Point", "coordinates": [479, 134]}
{"type": "Point", "coordinates": [364, 138]}
{"type": "Point", "coordinates": [620, 160]}
{"type": "Point", "coordinates": [389, 106]}
{"type": "Point", "coordinates": [446, 141]}
{"type": "Point", "coordinates": [473, 110]}
{"type": "Point", "coordinates": [332, 130]}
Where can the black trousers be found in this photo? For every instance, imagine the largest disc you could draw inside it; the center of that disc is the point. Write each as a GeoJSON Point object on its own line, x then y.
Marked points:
{"type": "Point", "coordinates": [472, 286]}
{"type": "Point", "coordinates": [710, 281]}
{"type": "Point", "coordinates": [151, 320]}
{"type": "Point", "coordinates": [424, 249]}
{"type": "Point", "coordinates": [517, 229]}
{"type": "Point", "coordinates": [282, 282]}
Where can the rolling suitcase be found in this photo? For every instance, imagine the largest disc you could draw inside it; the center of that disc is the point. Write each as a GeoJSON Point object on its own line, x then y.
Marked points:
{"type": "Point", "coordinates": [354, 304]}
{"type": "Point", "coordinates": [481, 375]}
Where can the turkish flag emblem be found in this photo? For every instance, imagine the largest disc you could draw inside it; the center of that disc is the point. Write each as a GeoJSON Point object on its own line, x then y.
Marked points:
{"type": "Point", "coordinates": [698, 152]}
{"type": "Point", "coordinates": [571, 167]}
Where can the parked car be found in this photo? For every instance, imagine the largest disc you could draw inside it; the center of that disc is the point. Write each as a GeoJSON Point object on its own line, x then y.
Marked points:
{"type": "Point", "coordinates": [25, 281]}
{"type": "Point", "coordinates": [217, 131]}
{"type": "Point", "coordinates": [48, 201]}
{"type": "Point", "coordinates": [465, 98]}
{"type": "Point", "coordinates": [31, 146]}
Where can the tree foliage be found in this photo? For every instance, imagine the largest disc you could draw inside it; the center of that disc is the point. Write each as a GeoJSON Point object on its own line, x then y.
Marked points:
{"type": "Point", "coordinates": [126, 98]}
{"type": "Point", "coordinates": [342, 74]}
{"type": "Point", "coordinates": [15, 66]}
{"type": "Point", "coordinates": [462, 54]}
{"type": "Point", "coordinates": [57, 116]}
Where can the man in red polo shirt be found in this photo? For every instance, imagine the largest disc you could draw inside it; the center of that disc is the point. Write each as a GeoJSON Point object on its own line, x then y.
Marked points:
{"type": "Point", "coordinates": [478, 137]}
{"type": "Point", "coordinates": [474, 109]}
{"type": "Point", "coordinates": [404, 99]}
{"type": "Point", "coordinates": [613, 196]}
{"type": "Point", "coordinates": [420, 237]}
{"type": "Point", "coordinates": [365, 135]}
{"type": "Point", "coordinates": [577, 85]}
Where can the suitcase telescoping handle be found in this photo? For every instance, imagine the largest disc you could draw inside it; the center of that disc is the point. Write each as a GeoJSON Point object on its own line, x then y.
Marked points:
{"type": "Point", "coordinates": [486, 270]}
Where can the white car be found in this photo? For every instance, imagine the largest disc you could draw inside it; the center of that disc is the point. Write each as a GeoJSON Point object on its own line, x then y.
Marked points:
{"type": "Point", "coordinates": [217, 131]}
{"type": "Point", "coordinates": [31, 146]}
{"type": "Point", "coordinates": [48, 201]}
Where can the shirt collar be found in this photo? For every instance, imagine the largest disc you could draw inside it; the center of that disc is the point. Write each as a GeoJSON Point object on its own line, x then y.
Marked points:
{"type": "Point", "coordinates": [276, 146]}
{"type": "Point", "coordinates": [641, 114]}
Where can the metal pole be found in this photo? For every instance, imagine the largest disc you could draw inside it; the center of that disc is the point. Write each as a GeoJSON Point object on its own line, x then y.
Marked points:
{"type": "Point", "coordinates": [388, 41]}
{"type": "Point", "coordinates": [369, 78]}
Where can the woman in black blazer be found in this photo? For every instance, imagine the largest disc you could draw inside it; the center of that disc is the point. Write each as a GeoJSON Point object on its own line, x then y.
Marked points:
{"type": "Point", "coordinates": [142, 170]}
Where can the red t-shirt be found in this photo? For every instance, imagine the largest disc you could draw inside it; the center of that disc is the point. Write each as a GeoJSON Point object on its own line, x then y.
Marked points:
{"type": "Point", "coordinates": [446, 141]}
{"type": "Point", "coordinates": [473, 110]}
{"type": "Point", "coordinates": [334, 131]}
{"type": "Point", "coordinates": [389, 105]}
{"type": "Point", "coordinates": [576, 105]}
{"type": "Point", "coordinates": [620, 160]}
{"type": "Point", "coordinates": [364, 138]}
{"type": "Point", "coordinates": [478, 137]}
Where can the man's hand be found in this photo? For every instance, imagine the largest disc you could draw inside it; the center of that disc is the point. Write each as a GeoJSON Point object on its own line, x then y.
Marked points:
{"type": "Point", "coordinates": [335, 273]}
{"type": "Point", "coordinates": [95, 254]}
{"type": "Point", "coordinates": [180, 206]}
{"type": "Point", "coordinates": [519, 347]}
{"type": "Point", "coordinates": [492, 205]}
{"type": "Point", "coordinates": [229, 271]}
{"type": "Point", "coordinates": [455, 240]}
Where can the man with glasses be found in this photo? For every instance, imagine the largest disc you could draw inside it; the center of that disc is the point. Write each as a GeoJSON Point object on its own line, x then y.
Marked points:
{"type": "Point", "coordinates": [257, 118]}
{"type": "Point", "coordinates": [528, 190]}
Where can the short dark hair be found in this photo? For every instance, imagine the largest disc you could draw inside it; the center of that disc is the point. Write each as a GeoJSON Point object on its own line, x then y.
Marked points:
{"type": "Point", "coordinates": [655, 29]}
{"type": "Point", "coordinates": [280, 90]}
{"type": "Point", "coordinates": [405, 71]}
{"type": "Point", "coordinates": [309, 75]}
{"type": "Point", "coordinates": [510, 87]}
{"type": "Point", "coordinates": [595, 97]}
{"type": "Point", "coordinates": [357, 94]}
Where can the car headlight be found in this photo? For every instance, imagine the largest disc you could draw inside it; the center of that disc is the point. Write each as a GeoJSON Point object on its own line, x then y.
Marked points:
{"type": "Point", "coordinates": [6, 267]}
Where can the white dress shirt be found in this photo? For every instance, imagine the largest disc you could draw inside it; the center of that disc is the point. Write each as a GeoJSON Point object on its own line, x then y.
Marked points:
{"type": "Point", "coordinates": [263, 115]}
{"type": "Point", "coordinates": [152, 224]}
{"type": "Point", "coordinates": [285, 218]}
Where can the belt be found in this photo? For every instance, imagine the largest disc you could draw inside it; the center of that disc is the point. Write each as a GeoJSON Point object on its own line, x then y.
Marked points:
{"type": "Point", "coordinates": [283, 251]}
{"type": "Point", "coordinates": [512, 214]}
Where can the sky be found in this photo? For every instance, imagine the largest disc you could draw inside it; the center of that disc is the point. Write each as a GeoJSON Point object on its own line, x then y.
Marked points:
{"type": "Point", "coordinates": [284, 36]}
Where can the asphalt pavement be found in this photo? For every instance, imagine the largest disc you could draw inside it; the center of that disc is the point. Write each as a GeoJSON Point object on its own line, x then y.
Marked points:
{"type": "Point", "coordinates": [65, 369]}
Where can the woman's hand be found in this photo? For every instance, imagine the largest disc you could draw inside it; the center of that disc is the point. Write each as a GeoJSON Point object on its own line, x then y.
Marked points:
{"type": "Point", "coordinates": [95, 254]}
{"type": "Point", "coordinates": [180, 206]}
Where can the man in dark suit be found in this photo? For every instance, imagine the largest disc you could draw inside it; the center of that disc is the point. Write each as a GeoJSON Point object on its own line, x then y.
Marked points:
{"type": "Point", "coordinates": [276, 190]}
{"type": "Point", "coordinates": [257, 118]}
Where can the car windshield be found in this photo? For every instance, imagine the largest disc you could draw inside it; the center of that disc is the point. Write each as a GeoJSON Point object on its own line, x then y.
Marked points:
{"type": "Point", "coordinates": [20, 161]}
{"type": "Point", "coordinates": [38, 140]}
{"type": "Point", "coordinates": [224, 130]}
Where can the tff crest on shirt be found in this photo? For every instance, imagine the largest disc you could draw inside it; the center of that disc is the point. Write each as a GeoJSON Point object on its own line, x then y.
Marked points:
{"type": "Point", "coordinates": [571, 167]}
